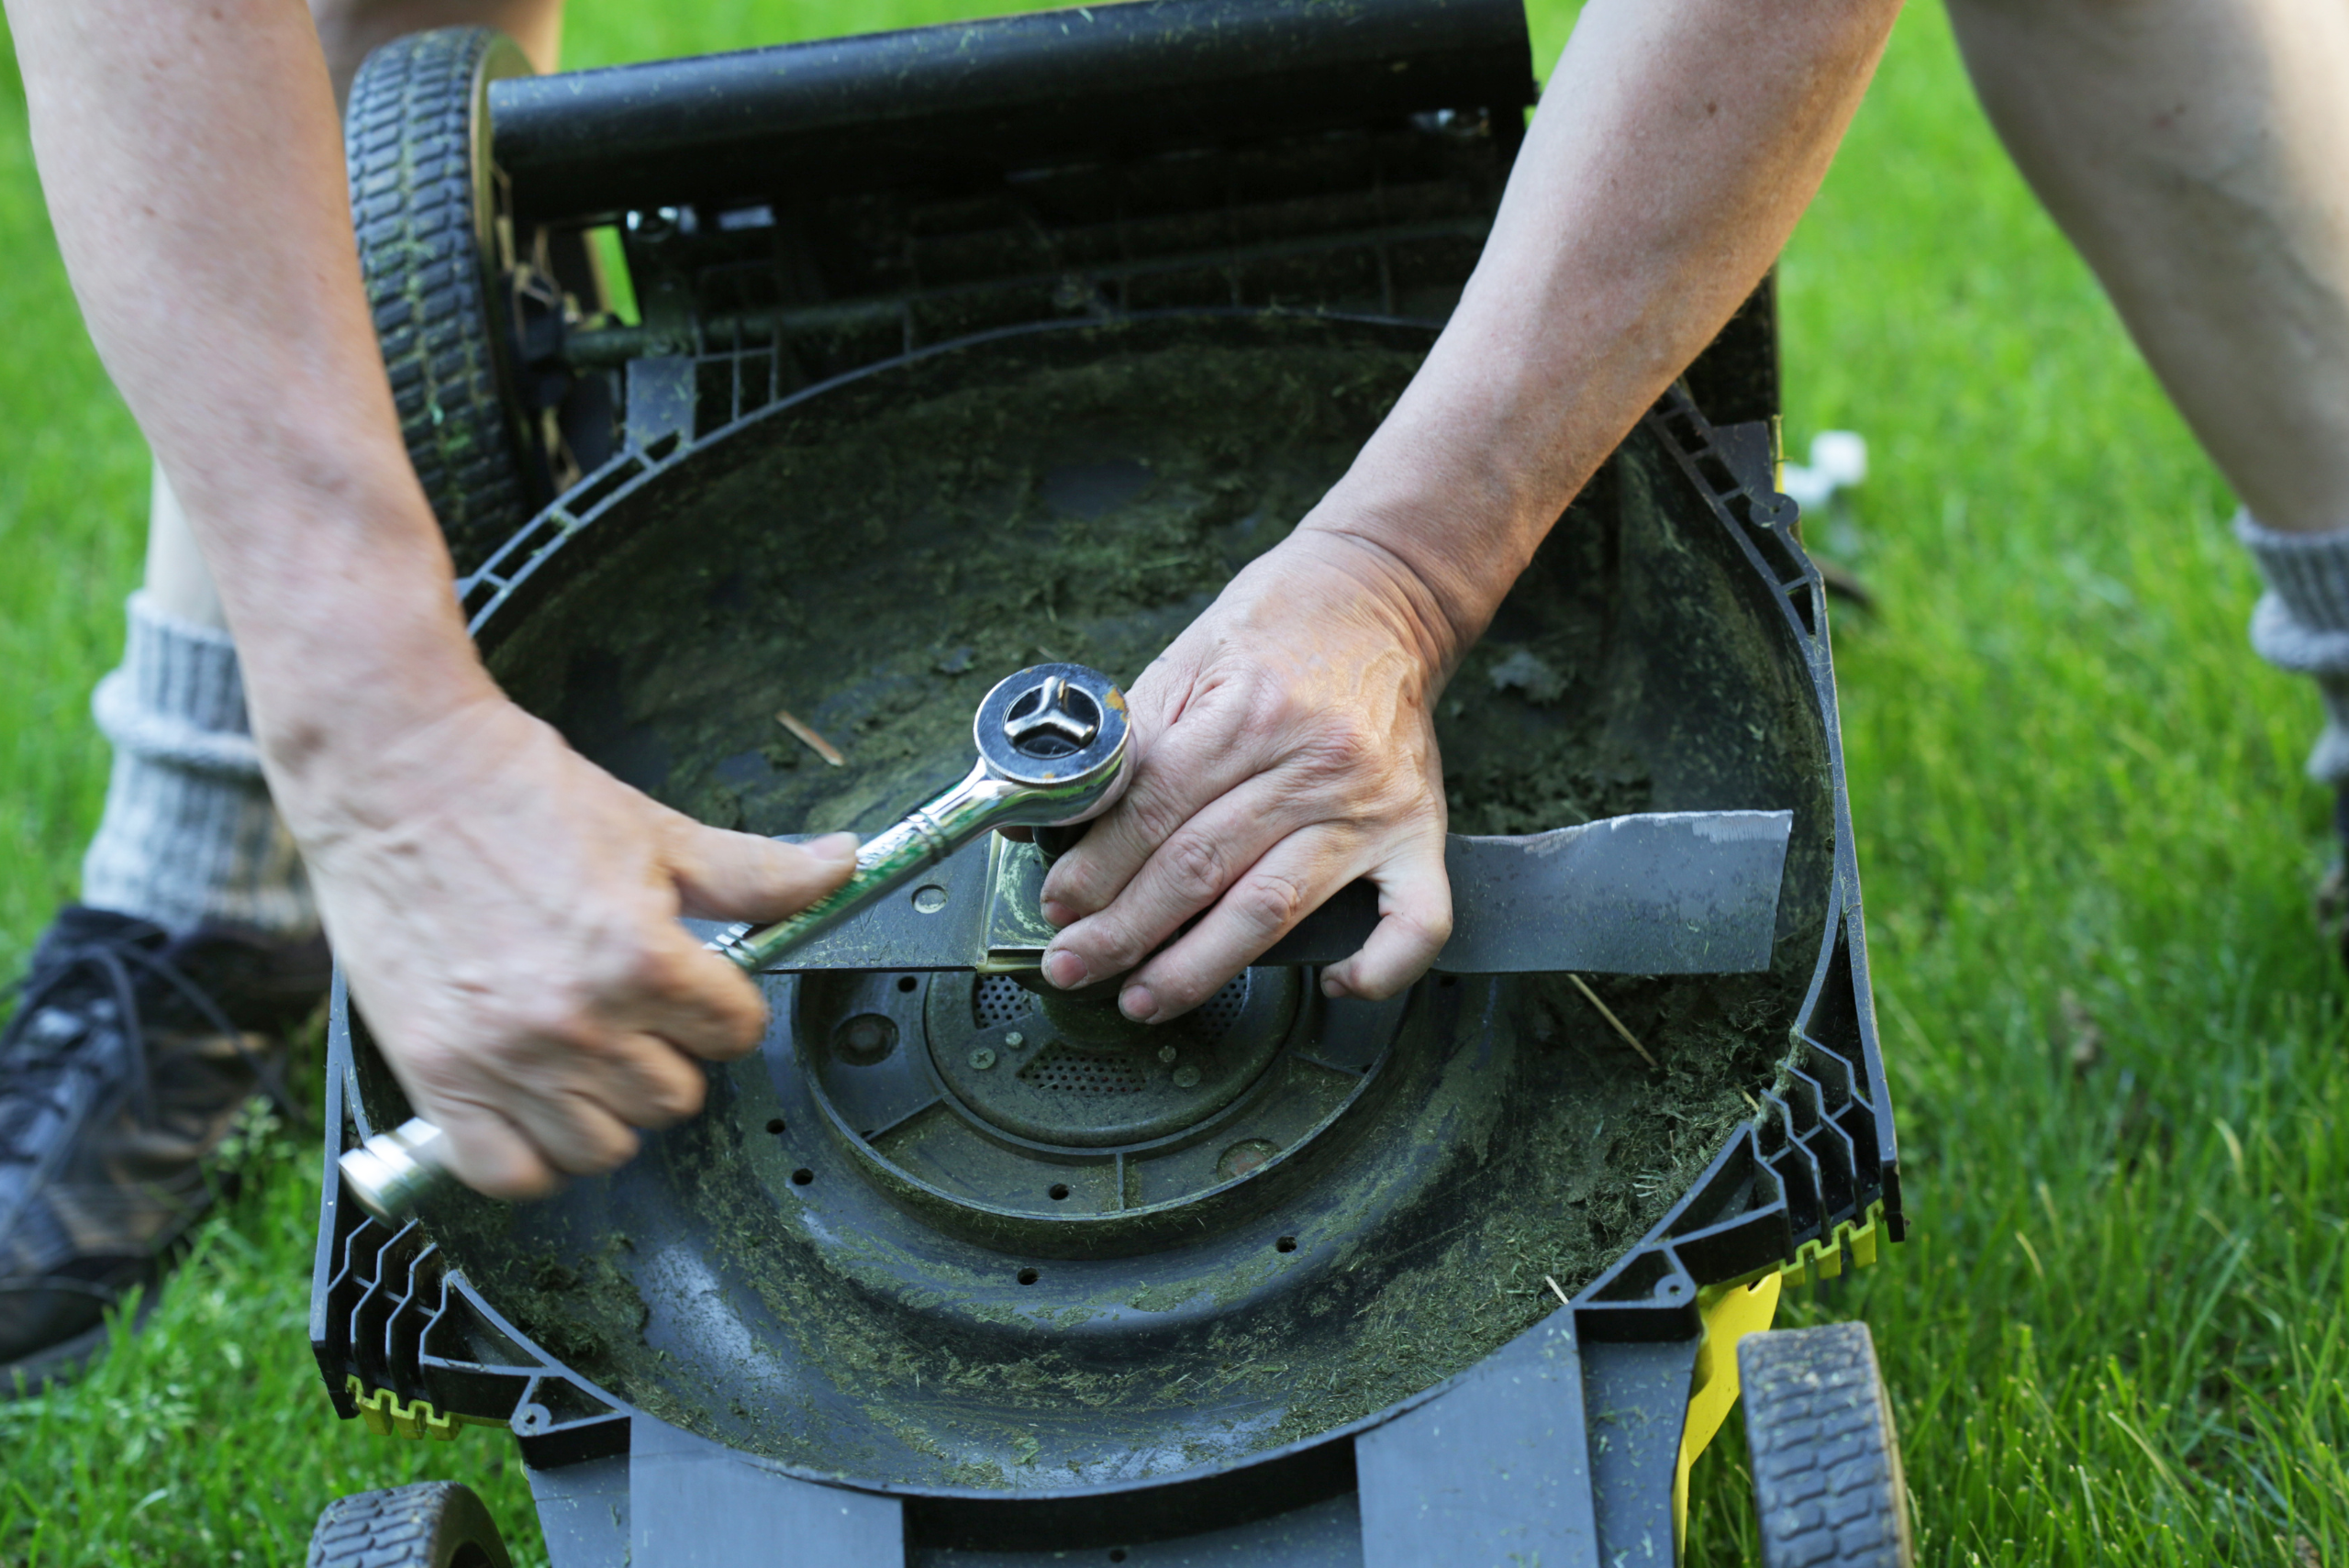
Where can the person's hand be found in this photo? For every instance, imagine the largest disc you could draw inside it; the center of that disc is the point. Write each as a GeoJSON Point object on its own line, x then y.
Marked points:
{"type": "Point", "coordinates": [508, 915]}
{"type": "Point", "coordinates": [1283, 747]}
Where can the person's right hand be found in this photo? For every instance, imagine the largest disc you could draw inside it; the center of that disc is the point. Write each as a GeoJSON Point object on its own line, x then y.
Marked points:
{"type": "Point", "coordinates": [506, 913]}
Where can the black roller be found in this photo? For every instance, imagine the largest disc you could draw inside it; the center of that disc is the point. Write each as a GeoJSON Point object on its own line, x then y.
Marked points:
{"type": "Point", "coordinates": [976, 100]}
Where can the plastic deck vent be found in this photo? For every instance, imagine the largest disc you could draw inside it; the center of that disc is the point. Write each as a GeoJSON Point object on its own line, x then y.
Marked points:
{"type": "Point", "coordinates": [1220, 1011]}
{"type": "Point", "coordinates": [999, 1000]}
{"type": "Point", "coordinates": [1075, 1071]}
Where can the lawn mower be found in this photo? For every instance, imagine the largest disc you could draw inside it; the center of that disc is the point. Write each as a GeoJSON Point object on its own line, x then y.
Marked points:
{"type": "Point", "coordinates": [776, 405]}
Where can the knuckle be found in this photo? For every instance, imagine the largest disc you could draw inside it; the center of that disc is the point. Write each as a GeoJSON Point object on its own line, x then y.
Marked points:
{"type": "Point", "coordinates": [1195, 869]}
{"type": "Point", "coordinates": [674, 1100]}
{"type": "Point", "coordinates": [1344, 749]}
{"type": "Point", "coordinates": [1151, 818]}
{"type": "Point", "coordinates": [1269, 902]}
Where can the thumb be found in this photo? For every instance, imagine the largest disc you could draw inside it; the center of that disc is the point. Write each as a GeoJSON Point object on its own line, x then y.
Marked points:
{"type": "Point", "coordinates": [723, 875]}
{"type": "Point", "coordinates": [1415, 921]}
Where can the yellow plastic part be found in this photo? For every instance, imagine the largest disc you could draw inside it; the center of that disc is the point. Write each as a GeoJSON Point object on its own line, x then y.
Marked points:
{"type": "Point", "coordinates": [386, 1416]}
{"type": "Point", "coordinates": [1730, 1312]}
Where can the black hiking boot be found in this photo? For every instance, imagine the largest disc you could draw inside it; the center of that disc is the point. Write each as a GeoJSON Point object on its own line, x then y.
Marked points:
{"type": "Point", "coordinates": [130, 1056]}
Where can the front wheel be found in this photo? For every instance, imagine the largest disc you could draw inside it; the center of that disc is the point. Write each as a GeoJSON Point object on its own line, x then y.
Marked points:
{"type": "Point", "coordinates": [436, 1524]}
{"type": "Point", "coordinates": [1827, 1481]}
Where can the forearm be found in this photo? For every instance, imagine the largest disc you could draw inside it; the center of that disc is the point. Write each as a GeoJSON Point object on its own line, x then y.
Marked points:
{"type": "Point", "coordinates": [193, 167]}
{"type": "Point", "coordinates": [1676, 144]}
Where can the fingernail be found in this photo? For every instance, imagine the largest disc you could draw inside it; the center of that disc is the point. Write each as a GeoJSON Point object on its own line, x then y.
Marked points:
{"type": "Point", "coordinates": [1138, 1003]}
{"type": "Point", "coordinates": [1057, 913]}
{"type": "Point", "coordinates": [1064, 969]}
{"type": "Point", "coordinates": [836, 847]}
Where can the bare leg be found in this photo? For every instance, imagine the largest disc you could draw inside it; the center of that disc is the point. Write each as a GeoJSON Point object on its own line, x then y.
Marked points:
{"type": "Point", "coordinates": [2193, 150]}
{"type": "Point", "coordinates": [351, 28]}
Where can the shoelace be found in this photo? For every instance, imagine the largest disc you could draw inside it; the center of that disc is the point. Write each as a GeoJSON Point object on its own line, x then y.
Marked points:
{"type": "Point", "coordinates": [39, 1079]}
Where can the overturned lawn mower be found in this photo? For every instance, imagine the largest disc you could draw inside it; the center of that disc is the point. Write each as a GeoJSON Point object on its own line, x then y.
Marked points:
{"type": "Point", "coordinates": [975, 348]}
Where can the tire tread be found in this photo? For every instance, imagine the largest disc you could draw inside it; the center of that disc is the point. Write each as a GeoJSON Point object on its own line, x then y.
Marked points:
{"type": "Point", "coordinates": [408, 136]}
{"type": "Point", "coordinates": [1825, 1462]}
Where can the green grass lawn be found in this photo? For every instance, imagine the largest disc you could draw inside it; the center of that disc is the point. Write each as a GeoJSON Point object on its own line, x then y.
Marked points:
{"type": "Point", "coordinates": [2119, 1329]}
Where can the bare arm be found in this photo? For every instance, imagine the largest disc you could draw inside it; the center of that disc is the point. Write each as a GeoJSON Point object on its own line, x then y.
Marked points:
{"type": "Point", "coordinates": [506, 910]}
{"type": "Point", "coordinates": [1285, 742]}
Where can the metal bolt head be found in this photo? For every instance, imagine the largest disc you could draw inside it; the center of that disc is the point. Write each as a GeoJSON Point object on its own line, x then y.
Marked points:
{"type": "Point", "coordinates": [1053, 717]}
{"type": "Point", "coordinates": [1187, 1077]}
{"type": "Point", "coordinates": [1166, 1053]}
{"type": "Point", "coordinates": [1058, 728]}
{"type": "Point", "coordinates": [1244, 1158]}
{"type": "Point", "coordinates": [1015, 1039]}
{"type": "Point", "coordinates": [982, 1059]}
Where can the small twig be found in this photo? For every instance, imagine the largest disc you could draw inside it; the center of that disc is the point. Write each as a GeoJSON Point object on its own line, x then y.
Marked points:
{"type": "Point", "coordinates": [818, 744]}
{"type": "Point", "coordinates": [1556, 1290]}
{"type": "Point", "coordinates": [1606, 1012]}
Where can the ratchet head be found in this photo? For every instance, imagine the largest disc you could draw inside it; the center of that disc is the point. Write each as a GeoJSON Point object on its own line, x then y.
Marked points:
{"type": "Point", "coordinates": [1057, 733]}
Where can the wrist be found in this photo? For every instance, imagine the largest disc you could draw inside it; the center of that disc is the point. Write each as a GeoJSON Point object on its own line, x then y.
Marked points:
{"type": "Point", "coordinates": [349, 630]}
{"type": "Point", "coordinates": [1454, 534]}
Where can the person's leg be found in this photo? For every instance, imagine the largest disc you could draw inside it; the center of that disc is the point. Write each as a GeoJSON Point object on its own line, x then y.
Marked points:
{"type": "Point", "coordinates": [2194, 151]}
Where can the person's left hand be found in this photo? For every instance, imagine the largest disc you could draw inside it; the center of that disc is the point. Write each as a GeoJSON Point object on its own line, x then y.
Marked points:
{"type": "Point", "coordinates": [1283, 747]}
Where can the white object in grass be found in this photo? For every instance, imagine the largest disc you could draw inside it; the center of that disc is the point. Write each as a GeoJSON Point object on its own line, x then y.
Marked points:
{"type": "Point", "coordinates": [1839, 461]}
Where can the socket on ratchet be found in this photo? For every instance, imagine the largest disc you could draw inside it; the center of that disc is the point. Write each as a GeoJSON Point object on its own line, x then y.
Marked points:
{"type": "Point", "coordinates": [1051, 745]}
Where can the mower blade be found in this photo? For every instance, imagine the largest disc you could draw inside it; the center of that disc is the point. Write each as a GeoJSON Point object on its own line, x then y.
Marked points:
{"type": "Point", "coordinates": [1658, 892]}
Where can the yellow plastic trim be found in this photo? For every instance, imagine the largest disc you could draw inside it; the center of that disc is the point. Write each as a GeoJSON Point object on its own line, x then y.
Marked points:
{"type": "Point", "coordinates": [1823, 1259]}
{"type": "Point", "coordinates": [1729, 1312]}
{"type": "Point", "coordinates": [388, 1416]}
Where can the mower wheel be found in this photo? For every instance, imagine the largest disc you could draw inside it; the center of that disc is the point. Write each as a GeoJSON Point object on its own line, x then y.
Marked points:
{"type": "Point", "coordinates": [435, 1524]}
{"type": "Point", "coordinates": [424, 203]}
{"type": "Point", "coordinates": [1827, 1481]}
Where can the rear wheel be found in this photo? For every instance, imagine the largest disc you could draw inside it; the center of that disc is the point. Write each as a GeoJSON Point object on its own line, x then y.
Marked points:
{"type": "Point", "coordinates": [1827, 1481]}
{"type": "Point", "coordinates": [437, 1524]}
{"type": "Point", "coordinates": [468, 314]}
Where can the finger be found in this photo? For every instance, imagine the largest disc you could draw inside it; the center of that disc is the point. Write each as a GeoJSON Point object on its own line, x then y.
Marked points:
{"type": "Point", "coordinates": [1198, 757]}
{"type": "Point", "coordinates": [572, 1132]}
{"type": "Point", "coordinates": [697, 1001]}
{"type": "Point", "coordinates": [1296, 877]}
{"type": "Point", "coordinates": [643, 1079]}
{"type": "Point", "coordinates": [723, 875]}
{"type": "Point", "coordinates": [489, 1153]}
{"type": "Point", "coordinates": [1186, 873]}
{"type": "Point", "coordinates": [1415, 921]}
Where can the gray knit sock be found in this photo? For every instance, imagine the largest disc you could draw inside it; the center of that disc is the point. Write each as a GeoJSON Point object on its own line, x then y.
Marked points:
{"type": "Point", "coordinates": [2302, 624]}
{"type": "Point", "coordinates": [189, 835]}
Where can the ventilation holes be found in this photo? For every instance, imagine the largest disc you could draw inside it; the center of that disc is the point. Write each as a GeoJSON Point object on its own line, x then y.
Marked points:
{"type": "Point", "coordinates": [775, 1126]}
{"type": "Point", "coordinates": [802, 1176]}
{"type": "Point", "coordinates": [997, 1000]}
{"type": "Point", "coordinates": [1028, 1276]}
{"type": "Point", "coordinates": [1220, 1011]}
{"type": "Point", "coordinates": [1074, 1072]}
